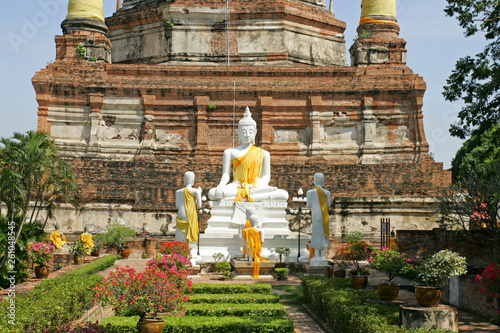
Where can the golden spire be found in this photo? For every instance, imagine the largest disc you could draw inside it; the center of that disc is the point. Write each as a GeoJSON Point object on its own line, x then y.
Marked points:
{"type": "Point", "coordinates": [383, 11]}
{"type": "Point", "coordinates": [86, 9]}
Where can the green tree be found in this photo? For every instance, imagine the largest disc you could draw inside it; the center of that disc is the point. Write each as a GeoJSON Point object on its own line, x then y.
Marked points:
{"type": "Point", "coordinates": [33, 178]}
{"type": "Point", "coordinates": [476, 79]}
{"type": "Point", "coordinates": [477, 155]}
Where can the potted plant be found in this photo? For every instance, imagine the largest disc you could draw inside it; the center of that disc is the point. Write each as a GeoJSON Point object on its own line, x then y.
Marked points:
{"type": "Point", "coordinates": [78, 250]}
{"type": "Point", "coordinates": [96, 249]}
{"type": "Point", "coordinates": [433, 274]}
{"type": "Point", "coordinates": [282, 273]}
{"type": "Point", "coordinates": [40, 255]}
{"type": "Point", "coordinates": [224, 268]}
{"type": "Point", "coordinates": [282, 251]}
{"type": "Point", "coordinates": [117, 237]}
{"type": "Point", "coordinates": [356, 252]}
{"type": "Point", "coordinates": [393, 263]}
{"type": "Point", "coordinates": [341, 263]}
{"type": "Point", "coordinates": [145, 293]}
{"type": "Point", "coordinates": [217, 257]}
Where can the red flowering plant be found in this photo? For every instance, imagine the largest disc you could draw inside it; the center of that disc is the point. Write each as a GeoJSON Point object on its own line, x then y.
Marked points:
{"type": "Point", "coordinates": [166, 261]}
{"type": "Point", "coordinates": [490, 280]}
{"type": "Point", "coordinates": [175, 247]}
{"type": "Point", "coordinates": [356, 252]}
{"type": "Point", "coordinates": [41, 254]}
{"type": "Point", "coordinates": [144, 293]}
{"type": "Point", "coordinates": [391, 262]}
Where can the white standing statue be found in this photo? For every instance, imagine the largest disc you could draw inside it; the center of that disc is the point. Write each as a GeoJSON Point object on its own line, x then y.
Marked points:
{"type": "Point", "coordinates": [187, 201]}
{"type": "Point", "coordinates": [318, 200]}
{"type": "Point", "coordinates": [251, 168]}
{"type": "Point", "coordinates": [253, 235]}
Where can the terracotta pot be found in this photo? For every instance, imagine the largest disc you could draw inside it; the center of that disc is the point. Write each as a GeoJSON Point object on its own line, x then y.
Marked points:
{"type": "Point", "coordinates": [328, 271]}
{"type": "Point", "coordinates": [340, 273]}
{"type": "Point", "coordinates": [280, 265]}
{"type": "Point", "coordinates": [95, 253]}
{"type": "Point", "coordinates": [79, 260]}
{"type": "Point", "coordinates": [359, 282]}
{"type": "Point", "coordinates": [428, 296]}
{"type": "Point", "coordinates": [388, 292]}
{"type": "Point", "coordinates": [125, 253]}
{"type": "Point", "coordinates": [42, 272]}
{"type": "Point", "coordinates": [150, 325]}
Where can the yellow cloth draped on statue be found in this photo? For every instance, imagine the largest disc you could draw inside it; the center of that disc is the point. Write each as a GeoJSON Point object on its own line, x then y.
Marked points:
{"type": "Point", "coordinates": [323, 202]}
{"type": "Point", "coordinates": [87, 241]}
{"type": "Point", "coordinates": [189, 227]}
{"type": "Point", "coordinates": [247, 171]}
{"type": "Point", "coordinates": [57, 239]}
{"type": "Point", "coordinates": [252, 236]}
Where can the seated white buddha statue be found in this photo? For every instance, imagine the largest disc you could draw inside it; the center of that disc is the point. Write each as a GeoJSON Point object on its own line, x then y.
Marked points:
{"type": "Point", "coordinates": [251, 168]}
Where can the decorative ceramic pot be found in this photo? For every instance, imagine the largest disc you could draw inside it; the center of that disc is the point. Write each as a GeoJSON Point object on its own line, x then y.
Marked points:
{"type": "Point", "coordinates": [150, 325]}
{"type": "Point", "coordinates": [42, 272]}
{"type": "Point", "coordinates": [328, 271]}
{"type": "Point", "coordinates": [95, 253]}
{"type": "Point", "coordinates": [359, 282]}
{"type": "Point", "coordinates": [340, 273]}
{"type": "Point", "coordinates": [388, 292]}
{"type": "Point", "coordinates": [79, 260]}
{"type": "Point", "coordinates": [125, 253]}
{"type": "Point", "coordinates": [428, 296]}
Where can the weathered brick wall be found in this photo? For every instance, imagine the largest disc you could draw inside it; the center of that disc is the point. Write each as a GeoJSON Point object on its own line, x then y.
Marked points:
{"type": "Point", "coordinates": [418, 243]}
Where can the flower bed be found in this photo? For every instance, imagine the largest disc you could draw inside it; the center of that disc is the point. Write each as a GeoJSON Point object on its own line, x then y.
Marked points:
{"type": "Point", "coordinates": [344, 309]}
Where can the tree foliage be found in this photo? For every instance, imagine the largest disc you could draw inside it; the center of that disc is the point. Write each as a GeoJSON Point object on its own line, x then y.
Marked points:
{"type": "Point", "coordinates": [33, 178]}
{"type": "Point", "coordinates": [476, 79]}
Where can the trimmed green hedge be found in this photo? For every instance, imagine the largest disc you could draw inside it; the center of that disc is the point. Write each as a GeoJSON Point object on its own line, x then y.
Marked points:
{"type": "Point", "coordinates": [344, 309]}
{"type": "Point", "coordinates": [238, 310]}
{"type": "Point", "coordinates": [54, 301]}
{"type": "Point", "coordinates": [206, 288]}
{"type": "Point", "coordinates": [234, 298]}
{"type": "Point", "coordinates": [208, 324]}
{"type": "Point", "coordinates": [94, 267]}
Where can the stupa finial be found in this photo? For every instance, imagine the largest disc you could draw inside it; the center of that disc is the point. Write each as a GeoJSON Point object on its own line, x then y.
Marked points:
{"type": "Point", "coordinates": [373, 11]}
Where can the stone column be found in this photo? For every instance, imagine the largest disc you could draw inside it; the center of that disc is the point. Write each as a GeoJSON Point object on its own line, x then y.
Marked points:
{"type": "Point", "coordinates": [266, 104]}
{"type": "Point", "coordinates": [43, 113]}
{"type": "Point", "coordinates": [95, 101]}
{"type": "Point", "coordinates": [201, 120]}
{"type": "Point", "coordinates": [369, 152]}
{"type": "Point", "coordinates": [315, 124]}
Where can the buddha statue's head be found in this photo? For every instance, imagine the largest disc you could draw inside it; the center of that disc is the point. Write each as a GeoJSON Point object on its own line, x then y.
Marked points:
{"type": "Point", "coordinates": [319, 179]}
{"type": "Point", "coordinates": [188, 178]}
{"type": "Point", "coordinates": [247, 128]}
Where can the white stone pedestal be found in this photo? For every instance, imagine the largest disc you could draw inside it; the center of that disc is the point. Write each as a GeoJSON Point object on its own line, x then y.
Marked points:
{"type": "Point", "coordinates": [440, 317]}
{"type": "Point", "coordinates": [227, 221]}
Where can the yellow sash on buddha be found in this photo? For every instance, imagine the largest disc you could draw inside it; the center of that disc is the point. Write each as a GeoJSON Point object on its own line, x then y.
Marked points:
{"type": "Point", "coordinates": [247, 171]}
{"type": "Point", "coordinates": [247, 225]}
{"type": "Point", "coordinates": [189, 227]}
{"type": "Point", "coordinates": [323, 202]}
{"type": "Point", "coordinates": [254, 242]}
{"type": "Point", "coordinates": [87, 241]}
{"type": "Point", "coordinates": [57, 239]}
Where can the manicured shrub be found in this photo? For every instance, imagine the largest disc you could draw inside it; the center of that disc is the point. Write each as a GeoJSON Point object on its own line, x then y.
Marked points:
{"type": "Point", "coordinates": [94, 267]}
{"type": "Point", "coordinates": [344, 309]}
{"type": "Point", "coordinates": [281, 273]}
{"type": "Point", "coordinates": [238, 310]}
{"type": "Point", "coordinates": [234, 298]}
{"type": "Point", "coordinates": [209, 324]}
{"type": "Point", "coordinates": [206, 288]}
{"type": "Point", "coordinates": [81, 328]}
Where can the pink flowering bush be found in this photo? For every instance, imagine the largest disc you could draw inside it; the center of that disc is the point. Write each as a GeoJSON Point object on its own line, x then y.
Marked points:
{"type": "Point", "coordinates": [152, 291]}
{"type": "Point", "coordinates": [391, 262]}
{"type": "Point", "coordinates": [179, 248]}
{"type": "Point", "coordinates": [490, 280]}
{"type": "Point", "coordinates": [166, 261]}
{"type": "Point", "coordinates": [41, 254]}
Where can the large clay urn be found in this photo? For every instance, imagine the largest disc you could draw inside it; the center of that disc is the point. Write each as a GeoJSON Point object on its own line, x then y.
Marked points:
{"type": "Point", "coordinates": [428, 296]}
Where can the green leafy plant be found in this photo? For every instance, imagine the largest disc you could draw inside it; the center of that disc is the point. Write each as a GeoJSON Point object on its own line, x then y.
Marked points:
{"type": "Point", "coordinates": [234, 298]}
{"type": "Point", "coordinates": [81, 50]}
{"type": "Point", "coordinates": [222, 266]}
{"type": "Point", "coordinates": [356, 252]}
{"type": "Point", "coordinates": [93, 59]}
{"type": "Point", "coordinates": [211, 107]}
{"type": "Point", "coordinates": [144, 255]}
{"type": "Point", "coordinates": [287, 12]}
{"type": "Point", "coordinates": [283, 251]}
{"type": "Point", "coordinates": [169, 24]}
{"type": "Point", "coordinates": [439, 268]}
{"type": "Point", "coordinates": [218, 256]}
{"type": "Point", "coordinates": [241, 310]}
{"type": "Point", "coordinates": [208, 288]}
{"type": "Point", "coordinates": [354, 237]}
{"type": "Point", "coordinates": [391, 262]}
{"type": "Point", "coordinates": [87, 327]}
{"type": "Point", "coordinates": [98, 242]}
{"type": "Point", "coordinates": [282, 273]}
{"type": "Point", "coordinates": [118, 235]}
{"type": "Point", "coordinates": [78, 249]}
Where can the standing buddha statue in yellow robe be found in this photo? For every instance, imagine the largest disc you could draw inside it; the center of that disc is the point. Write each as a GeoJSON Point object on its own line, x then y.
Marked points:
{"type": "Point", "coordinates": [254, 238]}
{"type": "Point", "coordinates": [187, 200]}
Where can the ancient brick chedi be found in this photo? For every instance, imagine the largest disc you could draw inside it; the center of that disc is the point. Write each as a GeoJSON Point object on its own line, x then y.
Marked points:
{"type": "Point", "coordinates": [157, 89]}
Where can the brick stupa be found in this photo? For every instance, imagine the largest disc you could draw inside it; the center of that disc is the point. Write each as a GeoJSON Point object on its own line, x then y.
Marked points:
{"type": "Point", "coordinates": [156, 91]}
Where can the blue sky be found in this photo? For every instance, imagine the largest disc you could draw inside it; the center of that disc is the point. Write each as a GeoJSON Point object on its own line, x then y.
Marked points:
{"type": "Point", "coordinates": [434, 43]}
